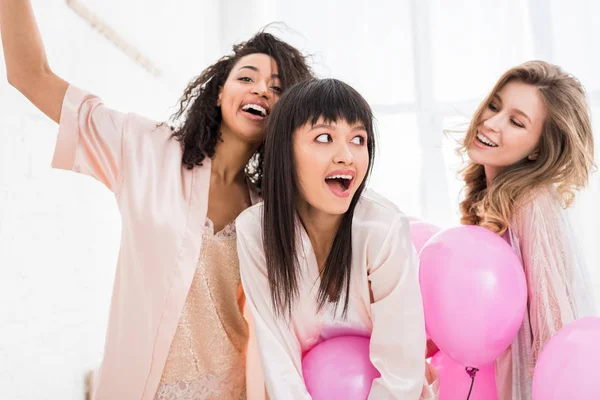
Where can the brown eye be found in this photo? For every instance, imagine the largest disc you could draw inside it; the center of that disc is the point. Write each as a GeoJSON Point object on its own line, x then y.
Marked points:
{"type": "Point", "coordinates": [324, 138]}
{"type": "Point", "coordinates": [359, 140]}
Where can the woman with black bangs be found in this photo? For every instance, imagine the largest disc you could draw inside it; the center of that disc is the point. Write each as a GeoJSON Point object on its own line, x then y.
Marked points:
{"type": "Point", "coordinates": [321, 257]}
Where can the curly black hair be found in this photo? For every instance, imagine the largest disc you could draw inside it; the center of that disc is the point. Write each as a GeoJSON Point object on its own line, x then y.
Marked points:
{"type": "Point", "coordinates": [199, 114]}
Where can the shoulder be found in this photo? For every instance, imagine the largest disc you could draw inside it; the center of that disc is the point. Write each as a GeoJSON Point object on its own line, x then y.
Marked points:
{"type": "Point", "coordinates": [146, 139]}
{"type": "Point", "coordinates": [376, 216]}
{"type": "Point", "coordinates": [137, 124]}
{"type": "Point", "coordinates": [249, 223]}
{"type": "Point", "coordinates": [540, 201]}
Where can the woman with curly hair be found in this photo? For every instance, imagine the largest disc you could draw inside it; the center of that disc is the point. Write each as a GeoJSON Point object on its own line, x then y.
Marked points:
{"type": "Point", "coordinates": [530, 146]}
{"type": "Point", "coordinates": [176, 328]}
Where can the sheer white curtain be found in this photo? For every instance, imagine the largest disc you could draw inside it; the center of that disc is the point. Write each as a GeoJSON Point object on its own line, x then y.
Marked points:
{"type": "Point", "coordinates": [422, 64]}
{"type": "Point", "coordinates": [425, 65]}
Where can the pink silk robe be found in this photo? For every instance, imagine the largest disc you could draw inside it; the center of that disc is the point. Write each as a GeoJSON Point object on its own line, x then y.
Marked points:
{"type": "Point", "coordinates": [163, 206]}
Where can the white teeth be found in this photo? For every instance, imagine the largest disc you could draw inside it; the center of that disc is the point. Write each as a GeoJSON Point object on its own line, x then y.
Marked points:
{"type": "Point", "coordinates": [346, 177]}
{"type": "Point", "coordinates": [486, 140]}
{"type": "Point", "coordinates": [256, 107]}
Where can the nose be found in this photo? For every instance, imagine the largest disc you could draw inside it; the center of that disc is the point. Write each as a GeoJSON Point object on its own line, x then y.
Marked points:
{"type": "Point", "coordinates": [493, 123]}
{"type": "Point", "coordinates": [260, 89]}
{"type": "Point", "coordinates": [343, 155]}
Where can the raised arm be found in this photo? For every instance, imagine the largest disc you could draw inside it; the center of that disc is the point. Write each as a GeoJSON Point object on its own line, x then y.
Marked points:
{"type": "Point", "coordinates": [27, 67]}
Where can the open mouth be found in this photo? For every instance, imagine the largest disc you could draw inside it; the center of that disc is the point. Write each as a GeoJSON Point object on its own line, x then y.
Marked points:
{"type": "Point", "coordinates": [485, 140]}
{"type": "Point", "coordinates": [340, 184]}
{"type": "Point", "coordinates": [255, 110]}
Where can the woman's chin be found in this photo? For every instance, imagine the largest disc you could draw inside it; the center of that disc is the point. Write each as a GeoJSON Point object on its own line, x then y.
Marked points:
{"type": "Point", "coordinates": [475, 156]}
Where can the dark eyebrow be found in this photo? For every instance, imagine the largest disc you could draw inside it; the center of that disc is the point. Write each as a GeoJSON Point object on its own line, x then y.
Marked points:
{"type": "Point", "coordinates": [360, 127]}
{"type": "Point", "coordinates": [253, 68]}
{"type": "Point", "coordinates": [318, 126]}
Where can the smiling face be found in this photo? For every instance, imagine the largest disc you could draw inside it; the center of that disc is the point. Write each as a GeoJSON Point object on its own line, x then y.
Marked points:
{"type": "Point", "coordinates": [509, 129]}
{"type": "Point", "coordinates": [332, 160]}
{"type": "Point", "coordinates": [248, 96]}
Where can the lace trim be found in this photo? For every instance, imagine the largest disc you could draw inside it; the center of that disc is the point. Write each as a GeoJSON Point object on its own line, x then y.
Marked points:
{"type": "Point", "coordinates": [209, 387]}
{"type": "Point", "coordinates": [226, 233]}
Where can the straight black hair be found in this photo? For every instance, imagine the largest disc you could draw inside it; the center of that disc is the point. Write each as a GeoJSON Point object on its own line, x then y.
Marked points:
{"type": "Point", "coordinates": [306, 102]}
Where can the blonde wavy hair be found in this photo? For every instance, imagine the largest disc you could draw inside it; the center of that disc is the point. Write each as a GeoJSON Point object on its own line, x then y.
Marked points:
{"type": "Point", "coordinates": [565, 152]}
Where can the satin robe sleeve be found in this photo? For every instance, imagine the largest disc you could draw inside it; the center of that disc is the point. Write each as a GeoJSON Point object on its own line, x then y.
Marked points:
{"type": "Point", "coordinates": [398, 338]}
{"type": "Point", "coordinates": [90, 138]}
{"type": "Point", "coordinates": [279, 348]}
{"type": "Point", "coordinates": [556, 278]}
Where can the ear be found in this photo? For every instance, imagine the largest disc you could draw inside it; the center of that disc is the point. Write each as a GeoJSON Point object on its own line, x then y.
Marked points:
{"type": "Point", "coordinates": [219, 96]}
{"type": "Point", "coordinates": [534, 155]}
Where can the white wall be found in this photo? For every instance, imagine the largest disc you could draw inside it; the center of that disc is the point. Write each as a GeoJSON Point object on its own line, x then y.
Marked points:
{"type": "Point", "coordinates": [59, 232]}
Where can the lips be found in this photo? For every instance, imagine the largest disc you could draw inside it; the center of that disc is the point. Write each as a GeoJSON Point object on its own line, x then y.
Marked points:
{"type": "Point", "coordinates": [340, 182]}
{"type": "Point", "coordinates": [483, 139]}
{"type": "Point", "coordinates": [255, 109]}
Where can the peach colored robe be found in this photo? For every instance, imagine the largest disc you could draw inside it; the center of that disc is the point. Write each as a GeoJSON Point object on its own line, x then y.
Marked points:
{"type": "Point", "coordinates": [163, 206]}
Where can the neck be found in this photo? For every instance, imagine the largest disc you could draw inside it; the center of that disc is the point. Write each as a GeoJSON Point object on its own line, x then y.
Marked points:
{"type": "Point", "coordinates": [231, 157]}
{"type": "Point", "coordinates": [490, 174]}
{"type": "Point", "coordinates": [321, 229]}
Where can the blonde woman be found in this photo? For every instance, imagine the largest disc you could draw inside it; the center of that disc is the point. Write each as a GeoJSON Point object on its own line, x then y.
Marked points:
{"type": "Point", "coordinates": [530, 147]}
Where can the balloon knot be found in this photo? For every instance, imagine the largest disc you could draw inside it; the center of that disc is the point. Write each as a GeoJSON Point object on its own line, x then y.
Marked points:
{"type": "Point", "coordinates": [471, 371]}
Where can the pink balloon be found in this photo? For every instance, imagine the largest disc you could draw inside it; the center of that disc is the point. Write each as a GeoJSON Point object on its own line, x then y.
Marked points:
{"type": "Point", "coordinates": [455, 382]}
{"type": "Point", "coordinates": [474, 294]}
{"type": "Point", "coordinates": [568, 365]}
{"type": "Point", "coordinates": [431, 350]}
{"type": "Point", "coordinates": [421, 232]}
{"type": "Point", "coordinates": [339, 369]}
